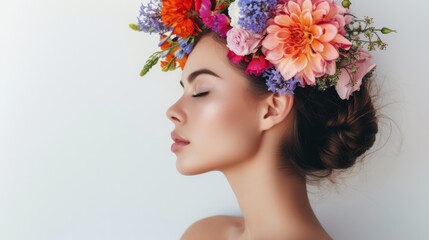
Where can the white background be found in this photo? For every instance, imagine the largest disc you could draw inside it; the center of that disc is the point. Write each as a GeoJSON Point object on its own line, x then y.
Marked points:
{"type": "Point", "coordinates": [85, 145]}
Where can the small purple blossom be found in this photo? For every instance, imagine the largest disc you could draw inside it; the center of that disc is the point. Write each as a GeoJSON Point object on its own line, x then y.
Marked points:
{"type": "Point", "coordinates": [180, 54]}
{"type": "Point", "coordinates": [276, 82]}
{"type": "Point", "coordinates": [254, 14]}
{"type": "Point", "coordinates": [150, 20]}
{"type": "Point", "coordinates": [187, 44]}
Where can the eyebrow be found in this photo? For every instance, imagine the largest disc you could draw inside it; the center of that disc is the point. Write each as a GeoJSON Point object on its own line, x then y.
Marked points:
{"type": "Point", "coordinates": [195, 74]}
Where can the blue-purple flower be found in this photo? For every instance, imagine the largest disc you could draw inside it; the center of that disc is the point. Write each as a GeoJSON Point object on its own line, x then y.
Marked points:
{"type": "Point", "coordinates": [254, 14]}
{"type": "Point", "coordinates": [149, 19]}
{"type": "Point", "coordinates": [276, 82]}
{"type": "Point", "coordinates": [187, 44]}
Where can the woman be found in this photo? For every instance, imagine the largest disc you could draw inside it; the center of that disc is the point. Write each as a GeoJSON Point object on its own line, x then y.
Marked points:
{"type": "Point", "coordinates": [223, 123]}
{"type": "Point", "coordinates": [316, 116]}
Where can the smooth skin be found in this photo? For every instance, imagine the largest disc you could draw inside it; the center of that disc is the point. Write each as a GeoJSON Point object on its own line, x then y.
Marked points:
{"type": "Point", "coordinates": [234, 132]}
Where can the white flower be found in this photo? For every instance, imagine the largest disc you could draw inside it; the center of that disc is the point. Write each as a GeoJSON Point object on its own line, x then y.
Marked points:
{"type": "Point", "coordinates": [234, 13]}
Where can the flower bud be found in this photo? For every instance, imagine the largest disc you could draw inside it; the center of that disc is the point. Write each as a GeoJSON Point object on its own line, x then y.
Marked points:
{"type": "Point", "coordinates": [386, 30]}
{"type": "Point", "coordinates": [346, 3]}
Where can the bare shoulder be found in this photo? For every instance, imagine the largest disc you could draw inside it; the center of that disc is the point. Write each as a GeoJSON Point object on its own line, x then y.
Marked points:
{"type": "Point", "coordinates": [214, 227]}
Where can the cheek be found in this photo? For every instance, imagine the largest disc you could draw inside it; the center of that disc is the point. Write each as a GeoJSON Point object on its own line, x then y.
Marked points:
{"type": "Point", "coordinates": [225, 132]}
{"type": "Point", "coordinates": [232, 125]}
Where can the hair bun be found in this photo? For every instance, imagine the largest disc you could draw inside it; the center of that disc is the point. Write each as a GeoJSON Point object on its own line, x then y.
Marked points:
{"type": "Point", "coordinates": [330, 133]}
{"type": "Point", "coordinates": [349, 134]}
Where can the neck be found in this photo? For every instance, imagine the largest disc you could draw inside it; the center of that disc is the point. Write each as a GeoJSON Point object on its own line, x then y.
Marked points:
{"type": "Point", "coordinates": [272, 201]}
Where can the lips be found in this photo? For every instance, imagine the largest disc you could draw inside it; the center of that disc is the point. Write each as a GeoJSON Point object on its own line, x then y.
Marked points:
{"type": "Point", "coordinates": [178, 139]}
{"type": "Point", "coordinates": [179, 142]}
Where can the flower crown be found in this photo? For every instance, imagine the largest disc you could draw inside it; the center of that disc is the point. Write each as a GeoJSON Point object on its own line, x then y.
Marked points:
{"type": "Point", "coordinates": [289, 43]}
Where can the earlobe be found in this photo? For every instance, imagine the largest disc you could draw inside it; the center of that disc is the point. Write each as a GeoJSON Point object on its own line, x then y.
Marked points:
{"type": "Point", "coordinates": [275, 109]}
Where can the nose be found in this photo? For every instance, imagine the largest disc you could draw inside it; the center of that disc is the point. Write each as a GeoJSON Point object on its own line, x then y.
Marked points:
{"type": "Point", "coordinates": [175, 114]}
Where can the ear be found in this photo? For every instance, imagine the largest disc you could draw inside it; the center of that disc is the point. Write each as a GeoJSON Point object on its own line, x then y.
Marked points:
{"type": "Point", "coordinates": [275, 109]}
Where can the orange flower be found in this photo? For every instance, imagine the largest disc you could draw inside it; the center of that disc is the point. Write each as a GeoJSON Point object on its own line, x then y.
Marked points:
{"type": "Point", "coordinates": [165, 45]}
{"type": "Point", "coordinates": [168, 45]}
{"type": "Point", "coordinates": [178, 14]}
{"type": "Point", "coordinates": [170, 63]}
{"type": "Point", "coordinates": [182, 62]}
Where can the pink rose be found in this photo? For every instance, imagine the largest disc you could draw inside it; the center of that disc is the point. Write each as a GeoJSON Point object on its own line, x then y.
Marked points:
{"type": "Point", "coordinates": [346, 86]}
{"type": "Point", "coordinates": [242, 42]}
{"type": "Point", "coordinates": [258, 65]}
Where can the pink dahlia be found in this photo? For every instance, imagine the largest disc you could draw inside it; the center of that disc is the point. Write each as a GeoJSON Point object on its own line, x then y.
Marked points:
{"type": "Point", "coordinates": [303, 39]}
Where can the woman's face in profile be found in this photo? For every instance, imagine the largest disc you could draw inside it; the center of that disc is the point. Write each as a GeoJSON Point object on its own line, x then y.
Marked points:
{"type": "Point", "coordinates": [217, 113]}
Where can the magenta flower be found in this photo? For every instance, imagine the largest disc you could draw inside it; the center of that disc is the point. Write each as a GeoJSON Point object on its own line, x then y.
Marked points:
{"type": "Point", "coordinates": [258, 65]}
{"type": "Point", "coordinates": [236, 59]}
{"type": "Point", "coordinates": [218, 22]}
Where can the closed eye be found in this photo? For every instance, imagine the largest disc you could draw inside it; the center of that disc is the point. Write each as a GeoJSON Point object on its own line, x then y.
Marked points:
{"type": "Point", "coordinates": [200, 94]}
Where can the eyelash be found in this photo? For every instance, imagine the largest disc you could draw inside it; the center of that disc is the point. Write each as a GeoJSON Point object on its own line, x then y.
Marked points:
{"type": "Point", "coordinates": [200, 94]}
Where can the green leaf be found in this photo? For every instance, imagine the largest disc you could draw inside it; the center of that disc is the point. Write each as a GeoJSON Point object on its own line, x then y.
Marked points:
{"type": "Point", "coordinates": [135, 27]}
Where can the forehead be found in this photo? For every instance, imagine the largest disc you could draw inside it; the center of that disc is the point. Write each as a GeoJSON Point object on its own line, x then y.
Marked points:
{"type": "Point", "coordinates": [209, 54]}
{"type": "Point", "coordinates": [207, 51]}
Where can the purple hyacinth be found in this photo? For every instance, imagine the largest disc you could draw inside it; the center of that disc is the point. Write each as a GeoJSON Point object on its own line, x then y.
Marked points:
{"type": "Point", "coordinates": [255, 13]}
{"type": "Point", "coordinates": [150, 20]}
{"type": "Point", "coordinates": [276, 82]}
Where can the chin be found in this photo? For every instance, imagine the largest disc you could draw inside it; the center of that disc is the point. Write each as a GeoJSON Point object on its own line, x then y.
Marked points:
{"type": "Point", "coordinates": [189, 168]}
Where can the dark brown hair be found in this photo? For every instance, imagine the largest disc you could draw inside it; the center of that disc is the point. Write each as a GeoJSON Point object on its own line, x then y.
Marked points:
{"type": "Point", "coordinates": [328, 133]}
